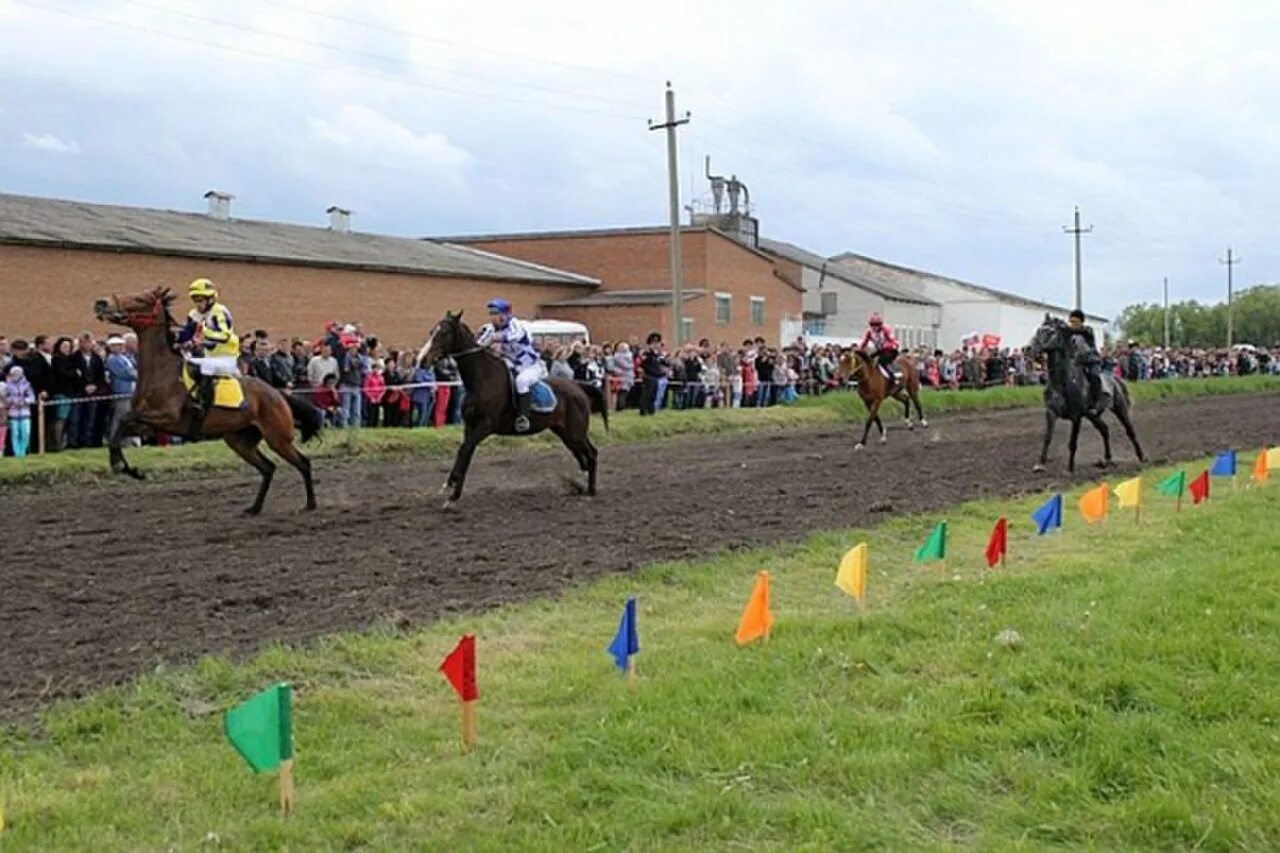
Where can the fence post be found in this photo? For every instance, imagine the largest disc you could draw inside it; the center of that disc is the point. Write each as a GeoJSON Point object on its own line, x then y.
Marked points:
{"type": "Point", "coordinates": [40, 426]}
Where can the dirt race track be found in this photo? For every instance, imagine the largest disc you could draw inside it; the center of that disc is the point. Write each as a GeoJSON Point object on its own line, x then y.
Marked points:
{"type": "Point", "coordinates": [101, 583]}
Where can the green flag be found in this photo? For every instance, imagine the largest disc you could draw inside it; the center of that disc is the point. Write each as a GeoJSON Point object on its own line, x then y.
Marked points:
{"type": "Point", "coordinates": [261, 729]}
{"type": "Point", "coordinates": [935, 547]}
{"type": "Point", "coordinates": [1174, 486]}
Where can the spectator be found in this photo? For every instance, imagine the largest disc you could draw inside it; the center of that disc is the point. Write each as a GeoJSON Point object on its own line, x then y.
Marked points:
{"type": "Point", "coordinates": [322, 365]}
{"type": "Point", "coordinates": [626, 364]}
{"type": "Point", "coordinates": [375, 388]}
{"type": "Point", "coordinates": [19, 397]}
{"type": "Point", "coordinates": [654, 367]}
{"type": "Point", "coordinates": [350, 387]}
{"type": "Point", "coordinates": [421, 397]}
{"type": "Point", "coordinates": [122, 375]}
{"type": "Point", "coordinates": [325, 398]}
{"type": "Point", "coordinates": [282, 367]}
{"type": "Point", "coordinates": [90, 379]}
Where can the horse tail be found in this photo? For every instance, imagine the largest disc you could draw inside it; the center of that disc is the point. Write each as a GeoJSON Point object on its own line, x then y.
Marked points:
{"type": "Point", "coordinates": [306, 417]}
{"type": "Point", "coordinates": [598, 402]}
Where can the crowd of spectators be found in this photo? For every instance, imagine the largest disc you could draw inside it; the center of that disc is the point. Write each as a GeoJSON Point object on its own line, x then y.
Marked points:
{"type": "Point", "coordinates": [81, 385]}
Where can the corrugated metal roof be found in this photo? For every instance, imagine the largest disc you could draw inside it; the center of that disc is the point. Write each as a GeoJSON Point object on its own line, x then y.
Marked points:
{"type": "Point", "coordinates": [871, 265]}
{"type": "Point", "coordinates": [804, 257]}
{"type": "Point", "coordinates": [619, 298]}
{"type": "Point", "coordinates": [72, 224]}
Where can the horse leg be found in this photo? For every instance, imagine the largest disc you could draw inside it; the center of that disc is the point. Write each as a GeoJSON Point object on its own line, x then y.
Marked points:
{"type": "Point", "coordinates": [872, 408]}
{"type": "Point", "coordinates": [245, 444]}
{"type": "Point", "coordinates": [1049, 420]}
{"type": "Point", "coordinates": [120, 465]}
{"type": "Point", "coordinates": [286, 450]}
{"type": "Point", "coordinates": [1105, 432]}
{"type": "Point", "coordinates": [463, 461]}
{"type": "Point", "coordinates": [1071, 444]}
{"type": "Point", "coordinates": [906, 410]}
{"type": "Point", "coordinates": [884, 438]}
{"type": "Point", "coordinates": [915, 398]}
{"type": "Point", "coordinates": [1122, 415]}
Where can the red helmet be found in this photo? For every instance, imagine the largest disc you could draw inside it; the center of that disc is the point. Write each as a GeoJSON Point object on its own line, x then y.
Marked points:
{"type": "Point", "coordinates": [875, 320]}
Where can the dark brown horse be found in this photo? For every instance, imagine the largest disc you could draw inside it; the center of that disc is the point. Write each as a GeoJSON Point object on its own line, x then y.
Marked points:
{"type": "Point", "coordinates": [489, 406]}
{"type": "Point", "coordinates": [874, 388]}
{"type": "Point", "coordinates": [161, 402]}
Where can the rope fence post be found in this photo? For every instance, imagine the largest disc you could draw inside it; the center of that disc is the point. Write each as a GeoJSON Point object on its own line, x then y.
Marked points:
{"type": "Point", "coordinates": [40, 404]}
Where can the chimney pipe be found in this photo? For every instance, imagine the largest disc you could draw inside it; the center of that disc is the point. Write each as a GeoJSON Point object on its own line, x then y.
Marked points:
{"type": "Point", "coordinates": [339, 219]}
{"type": "Point", "coordinates": [219, 204]}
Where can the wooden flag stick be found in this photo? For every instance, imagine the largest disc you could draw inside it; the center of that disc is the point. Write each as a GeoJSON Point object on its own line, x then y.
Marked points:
{"type": "Point", "coordinates": [469, 725]}
{"type": "Point", "coordinates": [286, 787]}
{"type": "Point", "coordinates": [1179, 501]}
{"type": "Point", "coordinates": [631, 672]}
{"type": "Point", "coordinates": [1137, 513]}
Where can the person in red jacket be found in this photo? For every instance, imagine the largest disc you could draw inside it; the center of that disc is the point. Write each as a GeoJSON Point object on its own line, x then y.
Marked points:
{"type": "Point", "coordinates": [880, 336]}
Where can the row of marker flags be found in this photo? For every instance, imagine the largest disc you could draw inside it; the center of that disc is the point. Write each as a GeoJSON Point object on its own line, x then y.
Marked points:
{"type": "Point", "coordinates": [261, 729]}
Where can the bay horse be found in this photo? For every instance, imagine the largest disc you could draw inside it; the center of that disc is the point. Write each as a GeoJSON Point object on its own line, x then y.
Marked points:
{"type": "Point", "coordinates": [161, 401]}
{"type": "Point", "coordinates": [489, 406]}
{"type": "Point", "coordinates": [1066, 396]}
{"type": "Point", "coordinates": [874, 388]}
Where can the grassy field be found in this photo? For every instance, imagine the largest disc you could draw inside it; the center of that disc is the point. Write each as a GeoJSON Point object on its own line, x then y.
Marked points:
{"type": "Point", "coordinates": [625, 427]}
{"type": "Point", "coordinates": [1139, 712]}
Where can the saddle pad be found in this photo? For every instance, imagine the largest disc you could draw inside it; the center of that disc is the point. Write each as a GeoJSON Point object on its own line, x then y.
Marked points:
{"type": "Point", "coordinates": [543, 399]}
{"type": "Point", "coordinates": [228, 393]}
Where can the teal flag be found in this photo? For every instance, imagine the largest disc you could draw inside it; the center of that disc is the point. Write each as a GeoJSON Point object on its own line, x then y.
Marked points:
{"type": "Point", "coordinates": [935, 547]}
{"type": "Point", "coordinates": [261, 728]}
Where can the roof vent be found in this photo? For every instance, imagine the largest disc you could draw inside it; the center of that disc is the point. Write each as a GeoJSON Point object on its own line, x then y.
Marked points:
{"type": "Point", "coordinates": [219, 204]}
{"type": "Point", "coordinates": [339, 219]}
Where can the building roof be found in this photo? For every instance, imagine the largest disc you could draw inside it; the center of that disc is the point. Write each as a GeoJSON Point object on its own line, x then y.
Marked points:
{"type": "Point", "coordinates": [622, 298]}
{"type": "Point", "coordinates": [33, 221]}
{"type": "Point", "coordinates": [874, 266]}
{"type": "Point", "coordinates": [830, 267]}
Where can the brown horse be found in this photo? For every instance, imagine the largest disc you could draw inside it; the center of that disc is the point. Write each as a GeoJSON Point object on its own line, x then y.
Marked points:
{"type": "Point", "coordinates": [161, 402]}
{"type": "Point", "coordinates": [874, 388]}
{"type": "Point", "coordinates": [489, 406]}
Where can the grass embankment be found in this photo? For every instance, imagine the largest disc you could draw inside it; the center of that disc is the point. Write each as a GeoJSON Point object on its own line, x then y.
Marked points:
{"type": "Point", "coordinates": [1139, 712]}
{"type": "Point", "coordinates": [625, 427]}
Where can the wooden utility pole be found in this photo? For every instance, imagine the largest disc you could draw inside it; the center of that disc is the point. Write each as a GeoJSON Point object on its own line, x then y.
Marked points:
{"type": "Point", "coordinates": [673, 190]}
{"type": "Point", "coordinates": [1231, 261]}
{"type": "Point", "coordinates": [1166, 312]}
{"type": "Point", "coordinates": [1078, 232]}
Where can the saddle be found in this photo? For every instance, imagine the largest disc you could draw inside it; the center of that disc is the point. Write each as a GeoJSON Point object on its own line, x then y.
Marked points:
{"type": "Point", "coordinates": [542, 397]}
{"type": "Point", "coordinates": [228, 393]}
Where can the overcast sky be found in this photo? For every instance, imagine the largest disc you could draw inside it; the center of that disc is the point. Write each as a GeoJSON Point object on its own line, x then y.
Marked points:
{"type": "Point", "coordinates": [952, 136]}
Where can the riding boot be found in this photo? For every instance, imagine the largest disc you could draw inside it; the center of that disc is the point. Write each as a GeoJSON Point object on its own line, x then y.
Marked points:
{"type": "Point", "coordinates": [1095, 390]}
{"type": "Point", "coordinates": [523, 404]}
{"type": "Point", "coordinates": [201, 402]}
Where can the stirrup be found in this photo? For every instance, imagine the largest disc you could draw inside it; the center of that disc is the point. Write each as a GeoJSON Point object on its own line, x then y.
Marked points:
{"type": "Point", "coordinates": [522, 423]}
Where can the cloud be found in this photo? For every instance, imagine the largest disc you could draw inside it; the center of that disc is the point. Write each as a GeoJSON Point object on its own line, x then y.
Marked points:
{"type": "Point", "coordinates": [373, 136]}
{"type": "Point", "coordinates": [49, 142]}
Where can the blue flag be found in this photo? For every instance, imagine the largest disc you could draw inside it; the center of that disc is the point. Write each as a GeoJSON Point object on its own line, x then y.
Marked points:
{"type": "Point", "coordinates": [1049, 515]}
{"type": "Point", "coordinates": [1224, 465]}
{"type": "Point", "coordinates": [627, 641]}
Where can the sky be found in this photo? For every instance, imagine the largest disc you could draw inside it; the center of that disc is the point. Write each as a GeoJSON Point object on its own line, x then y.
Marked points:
{"type": "Point", "coordinates": [955, 137]}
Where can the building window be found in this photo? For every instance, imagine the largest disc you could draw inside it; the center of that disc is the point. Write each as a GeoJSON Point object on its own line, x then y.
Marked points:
{"type": "Point", "coordinates": [686, 328]}
{"type": "Point", "coordinates": [757, 310]}
{"type": "Point", "coordinates": [829, 304]}
{"type": "Point", "coordinates": [724, 308]}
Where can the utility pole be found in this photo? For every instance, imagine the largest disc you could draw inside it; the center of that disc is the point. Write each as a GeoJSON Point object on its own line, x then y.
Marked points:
{"type": "Point", "coordinates": [1078, 231]}
{"type": "Point", "coordinates": [1231, 309]}
{"type": "Point", "coordinates": [673, 188]}
{"type": "Point", "coordinates": [1166, 313]}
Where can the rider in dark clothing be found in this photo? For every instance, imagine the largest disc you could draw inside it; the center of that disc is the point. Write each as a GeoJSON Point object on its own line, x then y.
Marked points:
{"type": "Point", "coordinates": [1087, 356]}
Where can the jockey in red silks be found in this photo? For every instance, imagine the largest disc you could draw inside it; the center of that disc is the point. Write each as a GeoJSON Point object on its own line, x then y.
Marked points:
{"type": "Point", "coordinates": [886, 345]}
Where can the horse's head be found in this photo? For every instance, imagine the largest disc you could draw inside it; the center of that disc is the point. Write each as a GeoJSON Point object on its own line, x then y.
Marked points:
{"type": "Point", "coordinates": [449, 337]}
{"type": "Point", "coordinates": [851, 362]}
{"type": "Point", "coordinates": [139, 312]}
{"type": "Point", "coordinates": [1048, 337]}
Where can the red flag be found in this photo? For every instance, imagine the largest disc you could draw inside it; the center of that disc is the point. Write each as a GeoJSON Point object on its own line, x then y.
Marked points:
{"type": "Point", "coordinates": [999, 544]}
{"type": "Point", "coordinates": [1200, 488]}
{"type": "Point", "coordinates": [460, 668]}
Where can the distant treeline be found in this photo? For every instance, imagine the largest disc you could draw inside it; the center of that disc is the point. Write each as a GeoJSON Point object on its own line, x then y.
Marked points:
{"type": "Point", "coordinates": [1192, 324]}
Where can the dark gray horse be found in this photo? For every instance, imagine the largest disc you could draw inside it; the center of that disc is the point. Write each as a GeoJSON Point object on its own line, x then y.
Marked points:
{"type": "Point", "coordinates": [1067, 394]}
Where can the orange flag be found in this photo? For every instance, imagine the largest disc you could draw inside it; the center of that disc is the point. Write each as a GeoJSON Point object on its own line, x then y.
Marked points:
{"type": "Point", "coordinates": [1093, 504]}
{"type": "Point", "coordinates": [756, 619]}
{"type": "Point", "coordinates": [1260, 467]}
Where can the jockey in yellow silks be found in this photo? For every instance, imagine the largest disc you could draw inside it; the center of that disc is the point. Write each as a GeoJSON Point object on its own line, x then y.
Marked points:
{"type": "Point", "coordinates": [210, 321]}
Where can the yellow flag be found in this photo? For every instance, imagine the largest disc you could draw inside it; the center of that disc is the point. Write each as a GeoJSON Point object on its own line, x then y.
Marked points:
{"type": "Point", "coordinates": [1273, 457]}
{"type": "Point", "coordinates": [1093, 503]}
{"type": "Point", "coordinates": [852, 577]}
{"type": "Point", "coordinates": [1130, 492]}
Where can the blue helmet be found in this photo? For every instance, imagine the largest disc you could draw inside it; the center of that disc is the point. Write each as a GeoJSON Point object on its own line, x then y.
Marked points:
{"type": "Point", "coordinates": [500, 305]}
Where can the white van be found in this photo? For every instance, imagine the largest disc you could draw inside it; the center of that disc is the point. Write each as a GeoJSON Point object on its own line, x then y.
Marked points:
{"type": "Point", "coordinates": [558, 332]}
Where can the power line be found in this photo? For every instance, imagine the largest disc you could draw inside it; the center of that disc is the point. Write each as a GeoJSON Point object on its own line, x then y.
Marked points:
{"type": "Point", "coordinates": [302, 63]}
{"type": "Point", "coordinates": [368, 54]}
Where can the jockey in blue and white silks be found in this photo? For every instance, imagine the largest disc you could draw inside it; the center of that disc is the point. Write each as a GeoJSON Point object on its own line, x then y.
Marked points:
{"type": "Point", "coordinates": [516, 345]}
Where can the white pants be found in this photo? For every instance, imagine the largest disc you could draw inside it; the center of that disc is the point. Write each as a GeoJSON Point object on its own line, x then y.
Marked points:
{"type": "Point", "coordinates": [527, 376]}
{"type": "Point", "coordinates": [219, 365]}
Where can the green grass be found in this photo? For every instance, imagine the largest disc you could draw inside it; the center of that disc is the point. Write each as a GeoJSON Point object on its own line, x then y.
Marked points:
{"type": "Point", "coordinates": [1140, 711]}
{"type": "Point", "coordinates": [82, 465]}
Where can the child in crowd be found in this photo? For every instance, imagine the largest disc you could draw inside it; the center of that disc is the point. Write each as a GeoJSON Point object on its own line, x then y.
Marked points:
{"type": "Point", "coordinates": [326, 399]}
{"type": "Point", "coordinates": [18, 398]}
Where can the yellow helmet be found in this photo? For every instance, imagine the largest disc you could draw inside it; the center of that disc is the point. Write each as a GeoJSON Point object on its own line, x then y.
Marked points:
{"type": "Point", "coordinates": [202, 287]}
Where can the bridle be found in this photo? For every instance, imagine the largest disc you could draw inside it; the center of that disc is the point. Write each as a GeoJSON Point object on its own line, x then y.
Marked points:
{"type": "Point", "coordinates": [142, 320]}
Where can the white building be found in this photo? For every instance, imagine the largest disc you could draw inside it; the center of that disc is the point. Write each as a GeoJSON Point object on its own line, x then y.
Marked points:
{"type": "Point", "coordinates": [838, 300]}
{"type": "Point", "coordinates": [967, 309]}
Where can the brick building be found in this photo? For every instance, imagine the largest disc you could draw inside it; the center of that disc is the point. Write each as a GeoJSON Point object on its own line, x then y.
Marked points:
{"type": "Point", "coordinates": [732, 291]}
{"type": "Point", "coordinates": [57, 257]}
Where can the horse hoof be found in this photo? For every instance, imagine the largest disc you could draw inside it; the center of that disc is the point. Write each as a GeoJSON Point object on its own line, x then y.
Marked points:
{"type": "Point", "coordinates": [252, 511]}
{"type": "Point", "coordinates": [1037, 468]}
{"type": "Point", "coordinates": [858, 446]}
{"type": "Point", "coordinates": [447, 505]}
{"type": "Point", "coordinates": [446, 487]}
{"type": "Point", "coordinates": [884, 439]}
{"type": "Point", "coordinates": [911, 425]}
{"type": "Point", "coordinates": [311, 507]}
{"type": "Point", "coordinates": [1106, 463]}
{"type": "Point", "coordinates": [924, 424]}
